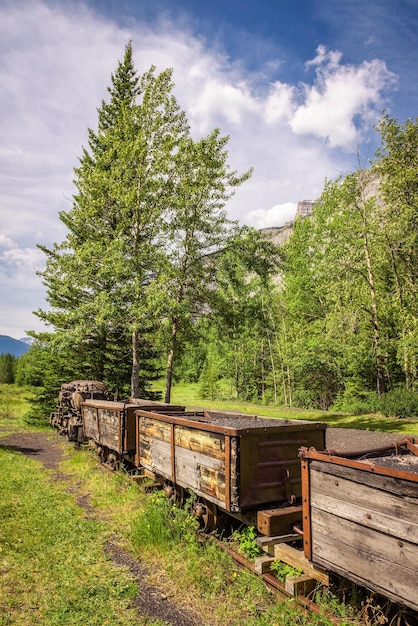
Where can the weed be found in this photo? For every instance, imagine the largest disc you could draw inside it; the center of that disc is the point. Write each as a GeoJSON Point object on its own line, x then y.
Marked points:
{"type": "Point", "coordinates": [246, 539]}
{"type": "Point", "coordinates": [283, 570]}
{"type": "Point", "coordinates": [163, 523]}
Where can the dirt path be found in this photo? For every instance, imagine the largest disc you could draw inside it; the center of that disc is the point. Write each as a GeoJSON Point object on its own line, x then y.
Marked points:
{"type": "Point", "coordinates": [150, 601]}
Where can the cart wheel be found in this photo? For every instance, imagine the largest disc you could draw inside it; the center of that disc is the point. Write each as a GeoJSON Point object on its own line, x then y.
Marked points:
{"type": "Point", "coordinates": [206, 513]}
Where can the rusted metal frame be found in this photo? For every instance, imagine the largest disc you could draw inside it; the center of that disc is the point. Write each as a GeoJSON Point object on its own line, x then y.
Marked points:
{"type": "Point", "coordinates": [412, 447]}
{"type": "Point", "coordinates": [173, 453]}
{"type": "Point", "coordinates": [355, 464]}
{"type": "Point", "coordinates": [122, 431]}
{"type": "Point", "coordinates": [137, 441]}
{"type": "Point", "coordinates": [306, 509]}
{"type": "Point", "coordinates": [227, 472]}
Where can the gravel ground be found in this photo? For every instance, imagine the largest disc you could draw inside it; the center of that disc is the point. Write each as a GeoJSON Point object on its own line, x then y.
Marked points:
{"type": "Point", "coordinates": [351, 440]}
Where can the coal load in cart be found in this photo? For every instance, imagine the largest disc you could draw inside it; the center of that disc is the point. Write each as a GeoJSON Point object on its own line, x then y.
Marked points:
{"type": "Point", "coordinates": [245, 465]}
{"type": "Point", "coordinates": [361, 517]}
{"type": "Point", "coordinates": [112, 427]}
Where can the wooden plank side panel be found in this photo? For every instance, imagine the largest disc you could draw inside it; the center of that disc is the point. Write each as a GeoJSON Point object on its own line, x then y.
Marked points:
{"type": "Point", "coordinates": [155, 455]}
{"type": "Point", "coordinates": [389, 484]}
{"type": "Point", "coordinates": [90, 422]}
{"type": "Point", "coordinates": [367, 506]}
{"type": "Point", "coordinates": [206, 443]}
{"type": "Point", "coordinates": [152, 428]}
{"type": "Point", "coordinates": [199, 462]}
{"type": "Point", "coordinates": [109, 428]}
{"type": "Point", "coordinates": [372, 559]}
{"type": "Point", "coordinates": [200, 477]}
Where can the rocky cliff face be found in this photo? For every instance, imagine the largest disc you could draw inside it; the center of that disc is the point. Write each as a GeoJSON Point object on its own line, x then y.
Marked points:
{"type": "Point", "coordinates": [280, 234]}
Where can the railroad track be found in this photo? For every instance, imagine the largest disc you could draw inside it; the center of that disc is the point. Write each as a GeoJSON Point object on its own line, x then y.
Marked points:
{"type": "Point", "coordinates": [276, 587]}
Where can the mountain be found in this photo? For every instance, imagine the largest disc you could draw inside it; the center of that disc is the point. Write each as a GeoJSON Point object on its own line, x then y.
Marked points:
{"type": "Point", "coordinates": [27, 340]}
{"type": "Point", "coordinates": [8, 345]}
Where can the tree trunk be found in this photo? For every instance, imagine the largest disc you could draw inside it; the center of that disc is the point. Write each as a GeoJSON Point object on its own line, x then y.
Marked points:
{"type": "Point", "coordinates": [135, 364]}
{"type": "Point", "coordinates": [170, 364]}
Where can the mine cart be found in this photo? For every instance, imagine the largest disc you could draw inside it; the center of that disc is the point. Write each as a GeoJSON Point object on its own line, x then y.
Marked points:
{"type": "Point", "coordinates": [112, 427]}
{"type": "Point", "coordinates": [360, 517]}
{"type": "Point", "coordinates": [239, 463]}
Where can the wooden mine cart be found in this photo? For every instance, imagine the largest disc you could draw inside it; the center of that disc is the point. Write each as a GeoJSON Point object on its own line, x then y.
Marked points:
{"type": "Point", "coordinates": [112, 427]}
{"type": "Point", "coordinates": [360, 517]}
{"type": "Point", "coordinates": [239, 463]}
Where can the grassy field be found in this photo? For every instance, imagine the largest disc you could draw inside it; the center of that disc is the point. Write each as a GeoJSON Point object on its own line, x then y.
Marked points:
{"type": "Point", "coordinates": [188, 394]}
{"type": "Point", "coordinates": [13, 407]}
{"type": "Point", "coordinates": [55, 570]}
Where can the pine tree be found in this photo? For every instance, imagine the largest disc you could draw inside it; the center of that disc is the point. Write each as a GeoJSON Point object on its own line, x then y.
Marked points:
{"type": "Point", "coordinates": [99, 280]}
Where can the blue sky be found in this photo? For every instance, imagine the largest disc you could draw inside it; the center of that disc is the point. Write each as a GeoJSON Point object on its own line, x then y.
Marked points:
{"type": "Point", "coordinates": [298, 87]}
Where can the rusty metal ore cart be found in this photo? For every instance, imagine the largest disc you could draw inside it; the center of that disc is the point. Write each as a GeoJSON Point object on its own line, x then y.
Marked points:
{"type": "Point", "coordinates": [239, 463]}
{"type": "Point", "coordinates": [360, 517]}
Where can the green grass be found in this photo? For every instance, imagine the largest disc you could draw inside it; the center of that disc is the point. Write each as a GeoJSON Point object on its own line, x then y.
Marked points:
{"type": "Point", "coordinates": [14, 405]}
{"type": "Point", "coordinates": [53, 567]}
{"type": "Point", "coordinates": [188, 394]}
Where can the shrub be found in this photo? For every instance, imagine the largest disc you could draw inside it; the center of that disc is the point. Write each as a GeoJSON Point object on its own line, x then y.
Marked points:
{"type": "Point", "coordinates": [400, 402]}
{"type": "Point", "coordinates": [356, 402]}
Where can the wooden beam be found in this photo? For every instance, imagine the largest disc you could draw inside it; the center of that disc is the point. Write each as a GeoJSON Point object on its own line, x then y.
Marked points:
{"type": "Point", "coordinates": [278, 521]}
{"type": "Point", "coordinates": [300, 585]}
{"type": "Point", "coordinates": [296, 558]}
{"type": "Point", "coordinates": [262, 564]}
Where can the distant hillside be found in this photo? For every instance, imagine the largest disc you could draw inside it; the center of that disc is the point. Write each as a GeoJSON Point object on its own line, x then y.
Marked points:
{"type": "Point", "coordinates": [15, 347]}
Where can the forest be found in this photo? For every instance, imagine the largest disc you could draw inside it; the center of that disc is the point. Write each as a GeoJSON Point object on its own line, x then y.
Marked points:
{"type": "Point", "coordinates": [153, 280]}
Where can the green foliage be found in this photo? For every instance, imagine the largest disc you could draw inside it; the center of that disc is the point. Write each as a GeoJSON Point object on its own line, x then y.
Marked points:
{"type": "Point", "coordinates": [399, 402]}
{"type": "Point", "coordinates": [209, 380]}
{"type": "Point", "coordinates": [282, 570]}
{"type": "Point", "coordinates": [357, 402]}
{"type": "Point", "coordinates": [8, 365]}
{"type": "Point", "coordinates": [163, 524]}
{"type": "Point", "coordinates": [246, 539]}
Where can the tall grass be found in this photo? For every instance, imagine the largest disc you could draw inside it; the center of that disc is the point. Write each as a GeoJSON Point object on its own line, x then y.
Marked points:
{"type": "Point", "coordinates": [14, 406]}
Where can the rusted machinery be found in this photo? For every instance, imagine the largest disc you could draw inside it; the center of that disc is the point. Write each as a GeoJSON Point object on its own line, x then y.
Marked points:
{"type": "Point", "coordinates": [67, 418]}
{"type": "Point", "coordinates": [360, 517]}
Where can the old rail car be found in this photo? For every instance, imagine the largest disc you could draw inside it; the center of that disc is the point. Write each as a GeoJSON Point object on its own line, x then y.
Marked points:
{"type": "Point", "coordinates": [111, 426]}
{"type": "Point", "coordinates": [360, 517]}
{"type": "Point", "coordinates": [359, 510]}
{"type": "Point", "coordinates": [67, 418]}
{"type": "Point", "coordinates": [244, 465]}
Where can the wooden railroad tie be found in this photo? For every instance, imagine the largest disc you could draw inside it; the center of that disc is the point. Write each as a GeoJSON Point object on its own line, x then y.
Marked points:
{"type": "Point", "coordinates": [277, 548]}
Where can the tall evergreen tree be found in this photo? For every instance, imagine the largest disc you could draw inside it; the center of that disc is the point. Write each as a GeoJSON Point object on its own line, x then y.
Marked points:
{"type": "Point", "coordinates": [98, 280]}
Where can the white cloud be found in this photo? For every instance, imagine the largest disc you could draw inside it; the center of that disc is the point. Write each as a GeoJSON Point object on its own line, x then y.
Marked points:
{"type": "Point", "coordinates": [278, 214]}
{"type": "Point", "coordinates": [339, 96]}
{"type": "Point", "coordinates": [6, 242]}
{"type": "Point", "coordinates": [18, 267]}
{"type": "Point", "coordinates": [55, 65]}
{"type": "Point", "coordinates": [279, 104]}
